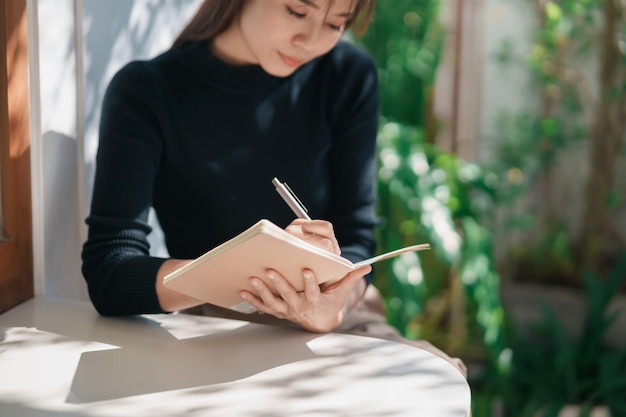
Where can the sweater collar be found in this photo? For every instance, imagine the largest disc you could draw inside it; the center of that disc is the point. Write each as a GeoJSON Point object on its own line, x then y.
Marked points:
{"type": "Point", "coordinates": [237, 77]}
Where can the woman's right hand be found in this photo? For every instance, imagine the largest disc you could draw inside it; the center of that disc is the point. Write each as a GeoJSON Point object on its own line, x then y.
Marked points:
{"type": "Point", "coordinates": [316, 232]}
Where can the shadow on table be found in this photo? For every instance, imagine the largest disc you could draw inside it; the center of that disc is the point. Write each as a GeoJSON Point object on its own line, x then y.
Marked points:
{"type": "Point", "coordinates": [127, 356]}
{"type": "Point", "coordinates": [162, 362]}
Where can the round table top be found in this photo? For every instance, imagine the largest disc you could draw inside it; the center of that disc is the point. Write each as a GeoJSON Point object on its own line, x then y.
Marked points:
{"type": "Point", "coordinates": [60, 358]}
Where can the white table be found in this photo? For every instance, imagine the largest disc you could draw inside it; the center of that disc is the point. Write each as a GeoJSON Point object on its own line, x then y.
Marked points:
{"type": "Point", "coordinates": [60, 359]}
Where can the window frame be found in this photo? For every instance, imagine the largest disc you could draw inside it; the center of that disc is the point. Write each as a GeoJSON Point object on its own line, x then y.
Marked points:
{"type": "Point", "coordinates": [16, 245]}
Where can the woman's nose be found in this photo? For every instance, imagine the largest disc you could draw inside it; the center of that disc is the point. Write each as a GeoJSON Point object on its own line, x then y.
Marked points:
{"type": "Point", "coordinates": [308, 36]}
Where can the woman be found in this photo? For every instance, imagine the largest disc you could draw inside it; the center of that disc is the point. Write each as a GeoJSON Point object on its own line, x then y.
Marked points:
{"type": "Point", "coordinates": [250, 90]}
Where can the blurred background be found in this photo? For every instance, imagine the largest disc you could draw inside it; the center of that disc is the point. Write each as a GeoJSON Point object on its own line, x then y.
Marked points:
{"type": "Point", "coordinates": [502, 144]}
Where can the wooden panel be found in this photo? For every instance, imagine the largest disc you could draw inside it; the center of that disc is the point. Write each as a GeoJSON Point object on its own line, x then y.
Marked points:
{"type": "Point", "coordinates": [16, 259]}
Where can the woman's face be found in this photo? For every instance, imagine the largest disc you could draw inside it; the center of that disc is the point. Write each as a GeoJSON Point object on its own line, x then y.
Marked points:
{"type": "Point", "coordinates": [281, 35]}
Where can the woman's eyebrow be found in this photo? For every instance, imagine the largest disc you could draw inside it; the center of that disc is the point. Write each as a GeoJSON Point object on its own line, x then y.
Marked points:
{"type": "Point", "coordinates": [312, 3]}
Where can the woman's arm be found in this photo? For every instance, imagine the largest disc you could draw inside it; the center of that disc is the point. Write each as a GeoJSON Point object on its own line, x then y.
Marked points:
{"type": "Point", "coordinates": [353, 117]}
{"type": "Point", "coordinates": [171, 300]}
{"type": "Point", "coordinates": [120, 273]}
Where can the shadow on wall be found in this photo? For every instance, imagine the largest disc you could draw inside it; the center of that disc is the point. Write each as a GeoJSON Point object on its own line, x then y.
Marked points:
{"type": "Point", "coordinates": [116, 33]}
{"type": "Point", "coordinates": [63, 277]}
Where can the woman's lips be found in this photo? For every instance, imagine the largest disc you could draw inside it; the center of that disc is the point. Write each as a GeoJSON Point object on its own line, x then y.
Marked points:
{"type": "Point", "coordinates": [290, 61]}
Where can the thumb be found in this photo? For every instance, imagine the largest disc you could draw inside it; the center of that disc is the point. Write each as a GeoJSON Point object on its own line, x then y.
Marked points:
{"type": "Point", "coordinates": [348, 282]}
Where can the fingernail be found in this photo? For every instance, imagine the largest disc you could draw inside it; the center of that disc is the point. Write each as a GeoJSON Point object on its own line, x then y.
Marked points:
{"type": "Point", "coordinates": [271, 275]}
{"type": "Point", "coordinates": [255, 283]}
{"type": "Point", "coordinates": [307, 275]}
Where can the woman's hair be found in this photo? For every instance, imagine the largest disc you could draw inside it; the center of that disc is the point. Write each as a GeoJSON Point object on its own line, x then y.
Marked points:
{"type": "Point", "coordinates": [214, 16]}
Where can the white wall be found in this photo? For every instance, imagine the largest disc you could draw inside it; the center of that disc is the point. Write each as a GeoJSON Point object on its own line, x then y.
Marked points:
{"type": "Point", "coordinates": [56, 259]}
{"type": "Point", "coordinates": [505, 87]}
{"type": "Point", "coordinates": [485, 87]}
{"type": "Point", "coordinates": [72, 61]}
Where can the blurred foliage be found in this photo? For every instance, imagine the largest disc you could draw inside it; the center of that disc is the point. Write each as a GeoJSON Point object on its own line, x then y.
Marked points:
{"type": "Point", "coordinates": [449, 295]}
{"type": "Point", "coordinates": [568, 61]}
{"type": "Point", "coordinates": [406, 39]}
{"type": "Point", "coordinates": [561, 44]}
{"type": "Point", "coordinates": [573, 50]}
{"type": "Point", "coordinates": [551, 368]}
{"type": "Point", "coordinates": [427, 195]}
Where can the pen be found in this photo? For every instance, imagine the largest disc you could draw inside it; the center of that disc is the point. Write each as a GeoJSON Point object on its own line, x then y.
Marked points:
{"type": "Point", "coordinates": [290, 198]}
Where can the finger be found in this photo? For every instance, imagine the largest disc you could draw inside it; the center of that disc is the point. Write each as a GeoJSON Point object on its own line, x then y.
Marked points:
{"type": "Point", "coordinates": [317, 227]}
{"type": "Point", "coordinates": [312, 290]}
{"type": "Point", "coordinates": [321, 235]}
{"type": "Point", "coordinates": [261, 308]}
{"type": "Point", "coordinates": [284, 289]}
{"type": "Point", "coordinates": [254, 301]}
{"type": "Point", "coordinates": [267, 297]}
{"type": "Point", "coordinates": [349, 281]}
{"type": "Point", "coordinates": [316, 232]}
{"type": "Point", "coordinates": [324, 230]}
{"type": "Point", "coordinates": [315, 240]}
{"type": "Point", "coordinates": [322, 242]}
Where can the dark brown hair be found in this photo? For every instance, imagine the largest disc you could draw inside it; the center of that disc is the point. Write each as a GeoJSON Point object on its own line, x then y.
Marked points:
{"type": "Point", "coordinates": [214, 16]}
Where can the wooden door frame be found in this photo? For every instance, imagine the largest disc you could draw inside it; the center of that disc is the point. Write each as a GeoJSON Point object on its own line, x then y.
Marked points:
{"type": "Point", "coordinates": [16, 246]}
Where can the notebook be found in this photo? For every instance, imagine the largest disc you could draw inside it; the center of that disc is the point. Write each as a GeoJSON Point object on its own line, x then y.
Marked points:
{"type": "Point", "coordinates": [218, 276]}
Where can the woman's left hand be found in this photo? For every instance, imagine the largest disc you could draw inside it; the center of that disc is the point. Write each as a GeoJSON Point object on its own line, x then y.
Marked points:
{"type": "Point", "coordinates": [314, 309]}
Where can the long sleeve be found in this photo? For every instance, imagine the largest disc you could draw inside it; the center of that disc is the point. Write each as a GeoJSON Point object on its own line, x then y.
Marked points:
{"type": "Point", "coordinates": [354, 122]}
{"type": "Point", "coordinates": [119, 272]}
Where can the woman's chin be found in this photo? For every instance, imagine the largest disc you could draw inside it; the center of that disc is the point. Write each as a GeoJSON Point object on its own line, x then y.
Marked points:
{"type": "Point", "coordinates": [279, 70]}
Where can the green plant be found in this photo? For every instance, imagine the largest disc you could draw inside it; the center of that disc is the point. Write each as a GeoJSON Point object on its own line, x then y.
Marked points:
{"type": "Point", "coordinates": [406, 39]}
{"type": "Point", "coordinates": [551, 368]}
{"type": "Point", "coordinates": [451, 294]}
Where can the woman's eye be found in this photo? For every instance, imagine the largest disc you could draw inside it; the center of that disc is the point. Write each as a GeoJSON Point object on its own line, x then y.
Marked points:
{"type": "Point", "coordinates": [296, 14]}
{"type": "Point", "coordinates": [336, 28]}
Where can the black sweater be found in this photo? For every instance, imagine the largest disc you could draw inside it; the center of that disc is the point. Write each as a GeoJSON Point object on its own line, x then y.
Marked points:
{"type": "Point", "coordinates": [200, 141]}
